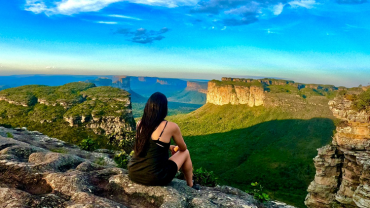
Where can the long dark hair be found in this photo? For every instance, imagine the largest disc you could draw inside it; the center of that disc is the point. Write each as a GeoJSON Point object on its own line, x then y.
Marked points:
{"type": "Point", "coordinates": [154, 113]}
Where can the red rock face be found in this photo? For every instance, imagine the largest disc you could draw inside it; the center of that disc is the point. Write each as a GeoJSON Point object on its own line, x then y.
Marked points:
{"type": "Point", "coordinates": [342, 168]}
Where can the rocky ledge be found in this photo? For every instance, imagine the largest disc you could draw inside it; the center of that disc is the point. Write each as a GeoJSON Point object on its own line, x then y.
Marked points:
{"type": "Point", "coordinates": [343, 168]}
{"type": "Point", "coordinates": [38, 171]}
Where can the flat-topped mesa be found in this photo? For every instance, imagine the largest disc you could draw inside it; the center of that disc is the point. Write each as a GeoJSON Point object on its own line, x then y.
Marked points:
{"type": "Point", "coordinates": [222, 93]}
{"type": "Point", "coordinates": [343, 168]}
{"type": "Point", "coordinates": [257, 92]}
{"type": "Point", "coordinates": [268, 82]}
{"type": "Point", "coordinates": [122, 82]}
{"type": "Point", "coordinates": [105, 110]}
{"type": "Point", "coordinates": [197, 86]}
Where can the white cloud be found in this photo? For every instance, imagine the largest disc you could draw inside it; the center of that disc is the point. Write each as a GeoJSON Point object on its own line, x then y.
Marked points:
{"type": "Point", "coordinates": [108, 23]}
{"type": "Point", "coordinates": [278, 8]}
{"type": "Point", "coordinates": [166, 3]}
{"type": "Point", "coordinates": [303, 3]}
{"type": "Point", "coordinates": [124, 17]}
{"type": "Point", "coordinates": [69, 7]}
{"type": "Point", "coordinates": [35, 6]}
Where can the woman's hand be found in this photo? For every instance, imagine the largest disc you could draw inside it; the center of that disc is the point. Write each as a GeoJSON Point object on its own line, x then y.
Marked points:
{"type": "Point", "coordinates": [172, 148]}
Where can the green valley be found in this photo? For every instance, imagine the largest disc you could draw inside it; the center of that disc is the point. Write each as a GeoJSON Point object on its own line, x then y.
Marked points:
{"type": "Point", "coordinates": [272, 145]}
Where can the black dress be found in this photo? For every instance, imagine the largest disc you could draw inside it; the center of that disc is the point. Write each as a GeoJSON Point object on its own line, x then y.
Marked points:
{"type": "Point", "coordinates": [154, 168]}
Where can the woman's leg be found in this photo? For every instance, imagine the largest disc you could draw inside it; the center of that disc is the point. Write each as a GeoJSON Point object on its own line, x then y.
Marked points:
{"type": "Point", "coordinates": [183, 161]}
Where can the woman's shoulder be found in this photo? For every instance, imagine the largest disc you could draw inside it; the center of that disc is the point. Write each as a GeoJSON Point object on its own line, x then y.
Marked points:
{"type": "Point", "coordinates": [172, 125]}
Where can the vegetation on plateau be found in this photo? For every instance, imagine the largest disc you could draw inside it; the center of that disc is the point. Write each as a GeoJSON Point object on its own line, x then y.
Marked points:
{"type": "Point", "coordinates": [245, 84]}
{"type": "Point", "coordinates": [45, 109]}
{"type": "Point", "coordinates": [360, 98]}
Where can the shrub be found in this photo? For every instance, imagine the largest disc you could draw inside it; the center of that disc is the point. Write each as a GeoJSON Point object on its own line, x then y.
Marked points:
{"type": "Point", "coordinates": [202, 177]}
{"type": "Point", "coordinates": [362, 101]}
{"type": "Point", "coordinates": [88, 144]}
{"type": "Point", "coordinates": [10, 135]}
{"type": "Point", "coordinates": [124, 141]}
{"type": "Point", "coordinates": [122, 159]}
{"type": "Point", "coordinates": [257, 192]}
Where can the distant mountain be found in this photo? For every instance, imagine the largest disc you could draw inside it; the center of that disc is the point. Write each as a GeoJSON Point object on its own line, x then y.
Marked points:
{"type": "Point", "coordinates": [50, 80]}
{"type": "Point", "coordinates": [146, 86]}
{"type": "Point", "coordinates": [140, 87]}
{"type": "Point", "coordinates": [195, 92]}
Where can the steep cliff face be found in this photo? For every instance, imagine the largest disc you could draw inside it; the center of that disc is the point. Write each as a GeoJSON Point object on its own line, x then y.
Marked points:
{"type": "Point", "coordinates": [106, 111]}
{"type": "Point", "coordinates": [257, 92]}
{"type": "Point", "coordinates": [343, 167]}
{"type": "Point", "coordinates": [235, 94]}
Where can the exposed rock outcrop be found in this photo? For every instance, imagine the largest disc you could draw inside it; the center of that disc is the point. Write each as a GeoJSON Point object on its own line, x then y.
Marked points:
{"type": "Point", "coordinates": [258, 92]}
{"type": "Point", "coordinates": [235, 94]}
{"type": "Point", "coordinates": [33, 176]}
{"type": "Point", "coordinates": [343, 167]}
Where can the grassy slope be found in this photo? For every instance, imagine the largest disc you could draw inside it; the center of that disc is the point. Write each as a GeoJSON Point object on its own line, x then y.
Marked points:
{"type": "Point", "coordinates": [271, 145]}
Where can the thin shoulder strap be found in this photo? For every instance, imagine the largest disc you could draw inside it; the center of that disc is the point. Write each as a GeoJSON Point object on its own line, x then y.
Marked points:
{"type": "Point", "coordinates": [162, 130]}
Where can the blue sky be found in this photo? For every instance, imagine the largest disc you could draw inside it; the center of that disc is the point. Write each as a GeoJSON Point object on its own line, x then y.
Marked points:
{"type": "Point", "coordinates": [303, 40]}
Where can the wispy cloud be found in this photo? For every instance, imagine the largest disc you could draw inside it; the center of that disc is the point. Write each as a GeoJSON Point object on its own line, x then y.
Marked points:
{"type": "Point", "coordinates": [70, 7]}
{"type": "Point", "coordinates": [142, 35]}
{"type": "Point", "coordinates": [303, 3]}
{"type": "Point", "coordinates": [278, 8]}
{"type": "Point", "coordinates": [241, 12]}
{"type": "Point", "coordinates": [108, 23]}
{"type": "Point", "coordinates": [123, 16]}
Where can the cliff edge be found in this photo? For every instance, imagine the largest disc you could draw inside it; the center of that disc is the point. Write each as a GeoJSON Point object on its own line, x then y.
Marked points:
{"type": "Point", "coordinates": [39, 171]}
{"type": "Point", "coordinates": [343, 167]}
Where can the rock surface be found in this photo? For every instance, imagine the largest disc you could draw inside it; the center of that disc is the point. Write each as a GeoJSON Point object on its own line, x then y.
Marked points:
{"type": "Point", "coordinates": [38, 171]}
{"type": "Point", "coordinates": [343, 168]}
{"type": "Point", "coordinates": [234, 94]}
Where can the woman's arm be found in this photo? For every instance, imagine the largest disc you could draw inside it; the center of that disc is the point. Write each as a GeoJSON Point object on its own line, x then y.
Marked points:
{"type": "Point", "coordinates": [177, 137]}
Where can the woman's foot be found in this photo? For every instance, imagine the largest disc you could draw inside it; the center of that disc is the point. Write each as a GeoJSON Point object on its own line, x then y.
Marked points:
{"type": "Point", "coordinates": [196, 186]}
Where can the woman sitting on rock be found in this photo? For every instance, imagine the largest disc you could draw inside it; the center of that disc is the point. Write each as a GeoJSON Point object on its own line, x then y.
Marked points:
{"type": "Point", "coordinates": [151, 164]}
